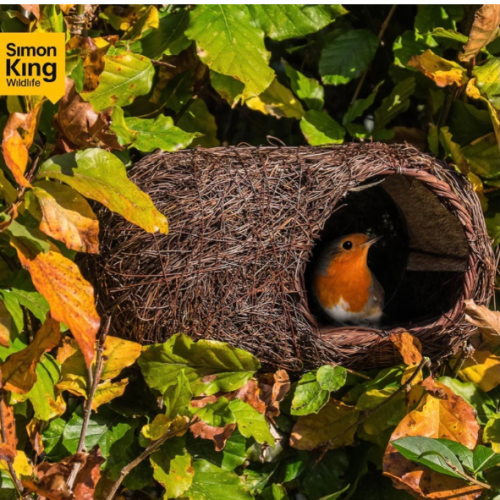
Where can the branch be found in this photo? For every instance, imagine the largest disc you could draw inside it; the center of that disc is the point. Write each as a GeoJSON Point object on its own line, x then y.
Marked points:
{"type": "Point", "coordinates": [380, 35]}
{"type": "Point", "coordinates": [16, 480]}
{"type": "Point", "coordinates": [94, 379]}
{"type": "Point", "coordinates": [467, 477]}
{"type": "Point", "coordinates": [145, 454]}
{"type": "Point", "coordinates": [368, 413]}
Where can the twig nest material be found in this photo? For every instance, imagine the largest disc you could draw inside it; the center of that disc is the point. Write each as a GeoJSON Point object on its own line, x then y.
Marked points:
{"type": "Point", "coordinates": [244, 223]}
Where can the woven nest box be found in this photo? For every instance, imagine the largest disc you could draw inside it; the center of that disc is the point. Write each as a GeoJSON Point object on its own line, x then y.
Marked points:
{"type": "Point", "coordinates": [245, 225]}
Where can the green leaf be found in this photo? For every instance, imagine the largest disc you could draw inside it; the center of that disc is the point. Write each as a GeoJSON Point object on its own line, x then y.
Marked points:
{"type": "Point", "coordinates": [410, 44]}
{"type": "Point", "coordinates": [177, 397]}
{"type": "Point", "coordinates": [320, 129]}
{"type": "Point", "coordinates": [488, 80]}
{"type": "Point", "coordinates": [359, 106]}
{"type": "Point", "coordinates": [347, 56]}
{"type": "Point", "coordinates": [462, 452]}
{"type": "Point", "coordinates": [280, 22]}
{"type": "Point", "coordinates": [210, 366]}
{"type": "Point", "coordinates": [484, 458]}
{"type": "Point", "coordinates": [396, 103]}
{"type": "Point", "coordinates": [52, 440]}
{"type": "Point", "coordinates": [217, 414]}
{"type": "Point", "coordinates": [491, 432]}
{"type": "Point", "coordinates": [30, 237]}
{"type": "Point", "coordinates": [449, 34]}
{"type": "Point", "coordinates": [331, 378]}
{"type": "Point", "coordinates": [326, 477]}
{"type": "Point", "coordinates": [101, 176]}
{"type": "Point", "coordinates": [250, 422]}
{"type": "Point", "coordinates": [169, 37]}
{"type": "Point", "coordinates": [198, 120]}
{"type": "Point", "coordinates": [15, 311]}
{"type": "Point", "coordinates": [275, 492]}
{"type": "Point", "coordinates": [148, 135]}
{"type": "Point", "coordinates": [44, 396]}
{"type": "Point", "coordinates": [430, 17]}
{"type": "Point", "coordinates": [309, 397]}
{"type": "Point", "coordinates": [479, 400]}
{"type": "Point", "coordinates": [227, 87]}
{"type": "Point", "coordinates": [429, 452]}
{"type": "Point", "coordinates": [105, 428]}
{"type": "Point", "coordinates": [307, 89]}
{"type": "Point", "coordinates": [125, 76]}
{"type": "Point", "coordinates": [172, 467]}
{"type": "Point", "coordinates": [238, 50]}
{"type": "Point", "coordinates": [482, 155]}
{"type": "Point", "coordinates": [51, 20]}
{"type": "Point", "coordinates": [277, 100]}
{"type": "Point", "coordinates": [212, 483]}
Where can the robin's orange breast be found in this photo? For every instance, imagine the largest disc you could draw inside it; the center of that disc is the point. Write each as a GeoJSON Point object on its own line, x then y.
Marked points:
{"type": "Point", "coordinates": [347, 281]}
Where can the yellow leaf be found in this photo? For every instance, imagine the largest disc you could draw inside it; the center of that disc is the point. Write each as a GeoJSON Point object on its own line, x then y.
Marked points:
{"type": "Point", "coordinates": [21, 465]}
{"type": "Point", "coordinates": [74, 373]}
{"type": "Point", "coordinates": [122, 18]}
{"type": "Point", "coordinates": [440, 414]}
{"type": "Point", "coordinates": [149, 19]}
{"type": "Point", "coordinates": [5, 325]}
{"type": "Point", "coordinates": [67, 216]}
{"type": "Point", "coordinates": [334, 426]}
{"type": "Point", "coordinates": [70, 296]}
{"type": "Point", "coordinates": [107, 391]}
{"type": "Point", "coordinates": [491, 432]}
{"type": "Point", "coordinates": [408, 346]}
{"type": "Point", "coordinates": [18, 371]}
{"type": "Point", "coordinates": [162, 424]}
{"type": "Point", "coordinates": [483, 368]}
{"type": "Point", "coordinates": [118, 354]}
{"type": "Point", "coordinates": [16, 147]}
{"type": "Point", "coordinates": [277, 100]}
{"type": "Point", "coordinates": [440, 70]}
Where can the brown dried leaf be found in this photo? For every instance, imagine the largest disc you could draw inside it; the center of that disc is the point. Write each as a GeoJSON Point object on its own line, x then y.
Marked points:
{"type": "Point", "coordinates": [7, 453]}
{"type": "Point", "coordinates": [487, 321]}
{"type": "Point", "coordinates": [219, 435]}
{"type": "Point", "coordinates": [441, 414]}
{"type": "Point", "coordinates": [88, 476]}
{"type": "Point", "coordinates": [484, 29]}
{"type": "Point", "coordinates": [334, 427]}
{"type": "Point", "coordinates": [440, 70]}
{"type": "Point", "coordinates": [80, 125]}
{"type": "Point", "coordinates": [33, 8]}
{"type": "Point", "coordinates": [35, 436]}
{"type": "Point", "coordinates": [15, 146]}
{"type": "Point", "coordinates": [18, 371]}
{"type": "Point", "coordinates": [70, 296]}
{"type": "Point", "coordinates": [408, 346]}
{"type": "Point", "coordinates": [67, 216]}
{"type": "Point", "coordinates": [10, 426]}
{"type": "Point", "coordinates": [250, 393]}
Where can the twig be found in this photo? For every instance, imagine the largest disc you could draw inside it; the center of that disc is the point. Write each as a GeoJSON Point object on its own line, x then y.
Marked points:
{"type": "Point", "coordinates": [155, 62]}
{"type": "Point", "coordinates": [380, 35]}
{"type": "Point", "coordinates": [16, 480]}
{"type": "Point", "coordinates": [459, 362]}
{"type": "Point", "coordinates": [352, 372]}
{"type": "Point", "coordinates": [368, 413]}
{"type": "Point", "coordinates": [94, 378]}
{"type": "Point", "coordinates": [145, 454]}
{"type": "Point", "coordinates": [467, 477]}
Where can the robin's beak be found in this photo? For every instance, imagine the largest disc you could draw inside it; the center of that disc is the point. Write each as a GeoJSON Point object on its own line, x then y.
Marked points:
{"type": "Point", "coordinates": [371, 242]}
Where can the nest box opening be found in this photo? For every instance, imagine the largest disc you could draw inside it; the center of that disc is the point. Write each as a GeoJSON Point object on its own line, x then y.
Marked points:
{"type": "Point", "coordinates": [420, 260]}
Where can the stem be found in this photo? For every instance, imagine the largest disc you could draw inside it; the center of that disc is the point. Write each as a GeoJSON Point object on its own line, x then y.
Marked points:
{"type": "Point", "coordinates": [367, 414]}
{"type": "Point", "coordinates": [467, 477]}
{"type": "Point", "coordinates": [94, 379]}
{"type": "Point", "coordinates": [145, 454]}
{"type": "Point", "coordinates": [352, 372]}
{"type": "Point", "coordinates": [380, 35]}
{"type": "Point", "coordinates": [16, 480]}
{"type": "Point", "coordinates": [155, 62]}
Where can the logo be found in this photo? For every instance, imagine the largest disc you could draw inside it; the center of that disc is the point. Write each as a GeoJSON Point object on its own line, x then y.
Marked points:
{"type": "Point", "coordinates": [32, 64]}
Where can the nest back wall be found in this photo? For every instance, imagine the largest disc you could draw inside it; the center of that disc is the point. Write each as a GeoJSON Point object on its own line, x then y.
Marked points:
{"type": "Point", "coordinates": [244, 223]}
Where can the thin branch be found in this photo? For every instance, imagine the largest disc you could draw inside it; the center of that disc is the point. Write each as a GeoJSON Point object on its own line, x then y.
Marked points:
{"type": "Point", "coordinates": [155, 62]}
{"type": "Point", "coordinates": [16, 480]}
{"type": "Point", "coordinates": [467, 477]}
{"type": "Point", "coordinates": [368, 413]}
{"type": "Point", "coordinates": [380, 35]}
{"type": "Point", "coordinates": [145, 454]}
{"type": "Point", "coordinates": [352, 372]}
{"type": "Point", "coordinates": [94, 379]}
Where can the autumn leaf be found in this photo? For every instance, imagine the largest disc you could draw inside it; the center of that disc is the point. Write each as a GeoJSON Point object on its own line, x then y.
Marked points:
{"type": "Point", "coordinates": [219, 435]}
{"type": "Point", "coordinates": [483, 367]}
{"type": "Point", "coordinates": [486, 320]}
{"type": "Point", "coordinates": [484, 29]}
{"type": "Point", "coordinates": [118, 354]}
{"type": "Point", "coordinates": [440, 414]}
{"type": "Point", "coordinates": [334, 426]}
{"type": "Point", "coordinates": [8, 448]}
{"type": "Point", "coordinates": [33, 8]}
{"type": "Point", "coordinates": [440, 70]}
{"type": "Point", "coordinates": [15, 146]}
{"type": "Point", "coordinates": [5, 325]}
{"type": "Point", "coordinates": [18, 371]}
{"type": "Point", "coordinates": [162, 425]}
{"type": "Point", "coordinates": [66, 216]}
{"type": "Point", "coordinates": [107, 391]}
{"type": "Point", "coordinates": [408, 346]}
{"type": "Point", "coordinates": [70, 296]}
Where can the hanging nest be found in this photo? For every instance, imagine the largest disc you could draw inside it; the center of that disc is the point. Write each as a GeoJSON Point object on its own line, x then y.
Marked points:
{"type": "Point", "coordinates": [244, 225]}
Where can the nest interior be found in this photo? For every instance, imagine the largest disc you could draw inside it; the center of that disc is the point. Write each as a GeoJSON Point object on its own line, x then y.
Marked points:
{"type": "Point", "coordinates": [245, 225]}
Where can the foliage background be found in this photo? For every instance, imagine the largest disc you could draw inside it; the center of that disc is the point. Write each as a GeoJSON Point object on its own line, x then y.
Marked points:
{"type": "Point", "coordinates": [81, 412]}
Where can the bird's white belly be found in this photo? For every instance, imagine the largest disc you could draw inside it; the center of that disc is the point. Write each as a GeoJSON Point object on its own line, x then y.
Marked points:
{"type": "Point", "coordinates": [342, 314]}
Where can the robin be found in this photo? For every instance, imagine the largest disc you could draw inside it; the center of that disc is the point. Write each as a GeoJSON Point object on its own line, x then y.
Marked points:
{"type": "Point", "coordinates": [344, 285]}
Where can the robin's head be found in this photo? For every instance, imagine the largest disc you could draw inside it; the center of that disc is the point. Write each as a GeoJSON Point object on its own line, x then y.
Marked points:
{"type": "Point", "coordinates": [347, 250]}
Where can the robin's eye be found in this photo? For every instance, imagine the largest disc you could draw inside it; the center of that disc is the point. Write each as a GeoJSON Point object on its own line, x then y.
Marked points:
{"type": "Point", "coordinates": [347, 245]}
